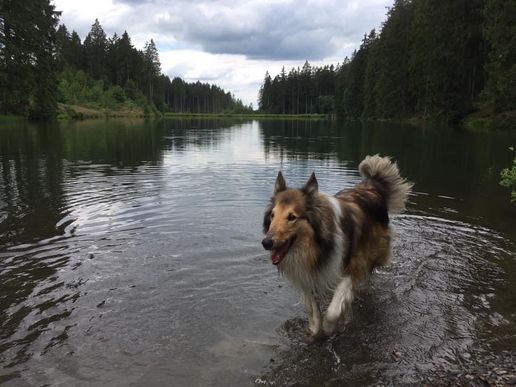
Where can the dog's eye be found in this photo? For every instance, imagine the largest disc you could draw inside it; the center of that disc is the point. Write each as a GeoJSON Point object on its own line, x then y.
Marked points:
{"type": "Point", "coordinates": [272, 215]}
{"type": "Point", "coordinates": [291, 217]}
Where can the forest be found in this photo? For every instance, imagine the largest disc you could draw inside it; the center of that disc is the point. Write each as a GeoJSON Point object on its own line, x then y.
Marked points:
{"type": "Point", "coordinates": [43, 64]}
{"type": "Point", "coordinates": [430, 59]}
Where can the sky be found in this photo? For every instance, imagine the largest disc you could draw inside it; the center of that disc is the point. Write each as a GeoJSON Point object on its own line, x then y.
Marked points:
{"type": "Point", "coordinates": [232, 43]}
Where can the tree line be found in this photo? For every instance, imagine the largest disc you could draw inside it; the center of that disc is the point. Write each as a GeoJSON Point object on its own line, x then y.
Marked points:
{"type": "Point", "coordinates": [301, 91]}
{"type": "Point", "coordinates": [431, 58]}
{"type": "Point", "coordinates": [42, 64]}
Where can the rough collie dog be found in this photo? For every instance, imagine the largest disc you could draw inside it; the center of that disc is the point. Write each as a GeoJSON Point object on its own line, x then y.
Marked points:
{"type": "Point", "coordinates": [328, 245]}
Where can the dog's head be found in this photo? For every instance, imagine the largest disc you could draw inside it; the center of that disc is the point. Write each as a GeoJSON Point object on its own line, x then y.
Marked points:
{"type": "Point", "coordinates": [288, 218]}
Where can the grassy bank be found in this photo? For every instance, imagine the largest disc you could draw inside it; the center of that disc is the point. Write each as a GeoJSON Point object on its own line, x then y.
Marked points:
{"type": "Point", "coordinates": [476, 121]}
{"type": "Point", "coordinates": [502, 121]}
{"type": "Point", "coordinates": [10, 118]}
{"type": "Point", "coordinates": [89, 111]}
{"type": "Point", "coordinates": [505, 121]}
{"type": "Point", "coordinates": [78, 112]}
{"type": "Point", "coordinates": [81, 97]}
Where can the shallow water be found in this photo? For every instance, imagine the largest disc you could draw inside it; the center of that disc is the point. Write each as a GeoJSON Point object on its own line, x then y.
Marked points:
{"type": "Point", "coordinates": [130, 254]}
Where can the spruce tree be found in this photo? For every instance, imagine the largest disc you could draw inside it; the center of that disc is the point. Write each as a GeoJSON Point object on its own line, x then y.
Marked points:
{"type": "Point", "coordinates": [44, 105]}
{"type": "Point", "coordinates": [152, 68]}
{"type": "Point", "coordinates": [95, 50]}
{"type": "Point", "coordinates": [27, 66]}
{"type": "Point", "coordinates": [76, 58]}
{"type": "Point", "coordinates": [500, 32]}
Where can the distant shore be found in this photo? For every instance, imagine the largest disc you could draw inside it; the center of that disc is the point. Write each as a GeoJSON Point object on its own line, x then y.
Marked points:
{"type": "Point", "coordinates": [506, 121]}
{"type": "Point", "coordinates": [76, 112]}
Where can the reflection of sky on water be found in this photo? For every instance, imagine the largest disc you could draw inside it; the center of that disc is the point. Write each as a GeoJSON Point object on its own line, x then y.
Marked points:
{"type": "Point", "coordinates": [242, 148]}
{"type": "Point", "coordinates": [239, 144]}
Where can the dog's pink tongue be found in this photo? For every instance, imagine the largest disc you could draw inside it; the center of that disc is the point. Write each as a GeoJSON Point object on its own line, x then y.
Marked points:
{"type": "Point", "coordinates": [275, 257]}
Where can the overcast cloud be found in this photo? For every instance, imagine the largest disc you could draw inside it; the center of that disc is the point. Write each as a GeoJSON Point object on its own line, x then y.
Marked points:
{"type": "Point", "coordinates": [232, 43]}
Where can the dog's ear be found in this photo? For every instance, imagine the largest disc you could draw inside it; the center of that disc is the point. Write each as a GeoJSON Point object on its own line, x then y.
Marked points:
{"type": "Point", "coordinates": [311, 185]}
{"type": "Point", "coordinates": [281, 184]}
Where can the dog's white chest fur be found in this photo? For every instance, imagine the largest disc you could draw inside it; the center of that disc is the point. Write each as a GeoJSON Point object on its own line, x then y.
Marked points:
{"type": "Point", "coordinates": [326, 278]}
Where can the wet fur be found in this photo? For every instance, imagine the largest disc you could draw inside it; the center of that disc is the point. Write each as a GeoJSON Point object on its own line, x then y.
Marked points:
{"type": "Point", "coordinates": [338, 240]}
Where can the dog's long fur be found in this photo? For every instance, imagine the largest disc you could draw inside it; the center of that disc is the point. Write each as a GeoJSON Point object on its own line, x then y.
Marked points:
{"type": "Point", "coordinates": [330, 244]}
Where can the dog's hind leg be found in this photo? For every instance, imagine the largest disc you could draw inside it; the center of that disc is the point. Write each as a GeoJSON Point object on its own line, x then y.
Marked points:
{"type": "Point", "coordinates": [314, 314]}
{"type": "Point", "coordinates": [342, 298]}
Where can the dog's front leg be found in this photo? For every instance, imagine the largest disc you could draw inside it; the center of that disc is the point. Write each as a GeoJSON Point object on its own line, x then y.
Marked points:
{"type": "Point", "coordinates": [314, 314]}
{"type": "Point", "coordinates": [342, 298]}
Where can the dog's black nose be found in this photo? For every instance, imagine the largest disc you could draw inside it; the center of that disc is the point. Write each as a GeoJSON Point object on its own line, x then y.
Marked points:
{"type": "Point", "coordinates": [267, 243]}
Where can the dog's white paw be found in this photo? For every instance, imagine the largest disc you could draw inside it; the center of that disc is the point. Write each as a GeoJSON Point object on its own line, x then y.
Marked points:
{"type": "Point", "coordinates": [314, 328]}
{"type": "Point", "coordinates": [329, 326]}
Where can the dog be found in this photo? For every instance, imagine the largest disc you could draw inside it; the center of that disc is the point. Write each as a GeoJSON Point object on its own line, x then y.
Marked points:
{"type": "Point", "coordinates": [328, 245]}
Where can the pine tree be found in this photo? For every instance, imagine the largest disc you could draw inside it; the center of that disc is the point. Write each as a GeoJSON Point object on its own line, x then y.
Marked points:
{"type": "Point", "coordinates": [44, 104]}
{"type": "Point", "coordinates": [152, 68]}
{"type": "Point", "coordinates": [306, 88]}
{"type": "Point", "coordinates": [63, 43]}
{"type": "Point", "coordinates": [392, 87]}
{"type": "Point", "coordinates": [126, 53]}
{"type": "Point", "coordinates": [95, 49]}
{"type": "Point", "coordinates": [500, 32]}
{"type": "Point", "coordinates": [76, 59]}
{"type": "Point", "coordinates": [17, 46]}
{"type": "Point", "coordinates": [371, 75]}
{"type": "Point", "coordinates": [445, 56]}
{"type": "Point", "coordinates": [27, 46]}
{"type": "Point", "coordinates": [113, 59]}
{"type": "Point", "coordinates": [264, 98]}
{"type": "Point", "coordinates": [353, 97]}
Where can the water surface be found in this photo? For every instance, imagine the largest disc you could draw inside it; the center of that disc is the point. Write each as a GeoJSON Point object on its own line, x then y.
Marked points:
{"type": "Point", "coordinates": [130, 255]}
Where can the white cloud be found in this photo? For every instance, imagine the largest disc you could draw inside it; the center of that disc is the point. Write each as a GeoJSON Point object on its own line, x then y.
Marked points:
{"type": "Point", "coordinates": [233, 42]}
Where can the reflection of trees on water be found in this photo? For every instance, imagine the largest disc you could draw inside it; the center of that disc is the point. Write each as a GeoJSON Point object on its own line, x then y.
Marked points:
{"type": "Point", "coordinates": [199, 132]}
{"type": "Point", "coordinates": [299, 139]}
{"type": "Point", "coordinates": [31, 182]}
{"type": "Point", "coordinates": [462, 164]}
{"type": "Point", "coordinates": [43, 170]}
{"type": "Point", "coordinates": [121, 143]}
{"type": "Point", "coordinates": [35, 162]}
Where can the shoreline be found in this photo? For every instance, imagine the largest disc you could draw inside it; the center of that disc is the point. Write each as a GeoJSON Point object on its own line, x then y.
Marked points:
{"type": "Point", "coordinates": [79, 112]}
{"type": "Point", "coordinates": [476, 122]}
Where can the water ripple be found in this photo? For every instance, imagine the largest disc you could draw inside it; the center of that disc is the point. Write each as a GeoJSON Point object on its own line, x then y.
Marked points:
{"type": "Point", "coordinates": [141, 262]}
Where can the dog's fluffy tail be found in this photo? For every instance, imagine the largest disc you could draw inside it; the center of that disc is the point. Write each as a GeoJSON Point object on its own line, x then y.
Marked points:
{"type": "Point", "coordinates": [386, 172]}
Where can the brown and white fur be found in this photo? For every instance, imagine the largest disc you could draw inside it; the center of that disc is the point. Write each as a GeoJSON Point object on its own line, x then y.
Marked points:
{"type": "Point", "coordinates": [328, 245]}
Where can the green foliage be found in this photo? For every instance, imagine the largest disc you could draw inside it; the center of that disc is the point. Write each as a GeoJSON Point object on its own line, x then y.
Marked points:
{"type": "Point", "coordinates": [391, 88]}
{"type": "Point", "coordinates": [197, 97]}
{"type": "Point", "coordinates": [429, 60]}
{"type": "Point", "coordinates": [327, 104]}
{"type": "Point", "coordinates": [117, 94]}
{"type": "Point", "coordinates": [508, 178]}
{"type": "Point", "coordinates": [130, 89]}
{"type": "Point", "coordinates": [40, 66]}
{"type": "Point", "coordinates": [27, 44]}
{"type": "Point", "coordinates": [95, 51]}
{"type": "Point", "coordinates": [500, 32]}
{"type": "Point", "coordinates": [301, 91]}
{"type": "Point", "coordinates": [76, 88]}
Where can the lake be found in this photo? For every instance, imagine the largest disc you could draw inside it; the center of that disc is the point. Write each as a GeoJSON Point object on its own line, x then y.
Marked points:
{"type": "Point", "coordinates": [130, 255]}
